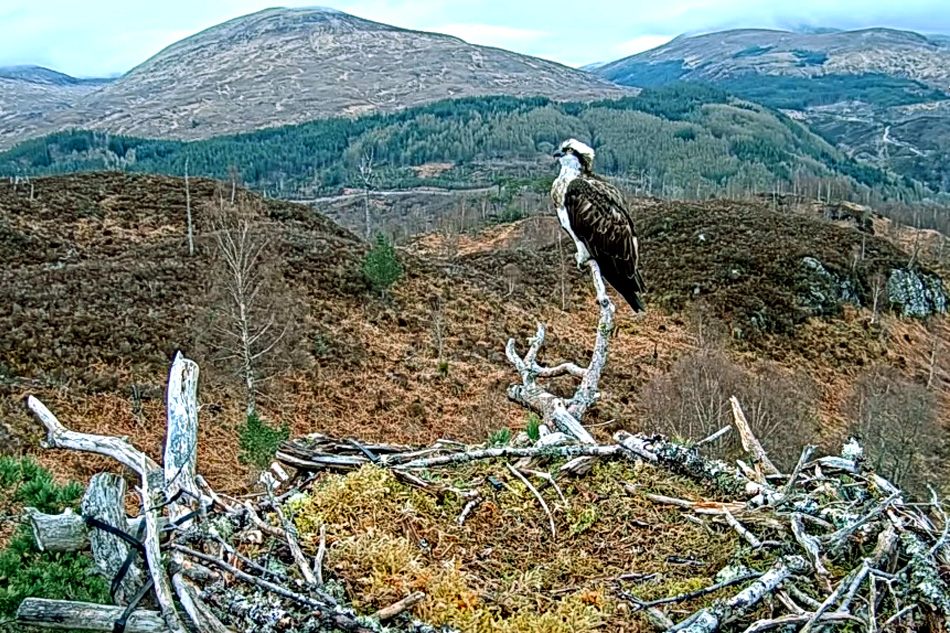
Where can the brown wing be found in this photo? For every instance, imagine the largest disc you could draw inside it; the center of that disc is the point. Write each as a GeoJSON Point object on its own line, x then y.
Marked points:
{"type": "Point", "coordinates": [597, 215]}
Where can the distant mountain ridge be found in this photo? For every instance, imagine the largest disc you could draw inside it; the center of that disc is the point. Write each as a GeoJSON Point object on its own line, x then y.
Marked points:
{"type": "Point", "coordinates": [283, 66]}
{"type": "Point", "coordinates": [880, 94]}
{"type": "Point", "coordinates": [43, 75]}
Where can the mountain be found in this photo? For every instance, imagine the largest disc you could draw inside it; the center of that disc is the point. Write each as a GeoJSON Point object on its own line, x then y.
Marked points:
{"type": "Point", "coordinates": [282, 66]}
{"type": "Point", "coordinates": [879, 94]}
{"type": "Point", "coordinates": [32, 97]}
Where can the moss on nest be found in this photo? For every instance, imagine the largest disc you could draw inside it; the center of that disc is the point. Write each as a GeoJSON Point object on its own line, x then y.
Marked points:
{"type": "Point", "coordinates": [501, 571]}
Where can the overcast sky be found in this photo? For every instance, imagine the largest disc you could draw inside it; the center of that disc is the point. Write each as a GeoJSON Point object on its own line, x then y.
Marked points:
{"type": "Point", "coordinates": [88, 38]}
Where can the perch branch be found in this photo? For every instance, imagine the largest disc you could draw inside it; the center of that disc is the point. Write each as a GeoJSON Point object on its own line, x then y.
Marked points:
{"type": "Point", "coordinates": [566, 415]}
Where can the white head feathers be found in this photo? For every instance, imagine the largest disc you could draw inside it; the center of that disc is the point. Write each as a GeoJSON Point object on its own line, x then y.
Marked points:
{"type": "Point", "coordinates": [579, 148]}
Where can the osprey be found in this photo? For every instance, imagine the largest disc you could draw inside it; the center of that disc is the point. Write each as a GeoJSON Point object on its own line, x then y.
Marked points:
{"type": "Point", "coordinates": [592, 212]}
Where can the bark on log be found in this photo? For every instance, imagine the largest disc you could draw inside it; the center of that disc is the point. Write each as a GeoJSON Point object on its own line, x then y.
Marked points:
{"type": "Point", "coordinates": [85, 616]}
{"type": "Point", "coordinates": [105, 500]}
{"type": "Point", "coordinates": [685, 461]}
{"type": "Point", "coordinates": [68, 532]}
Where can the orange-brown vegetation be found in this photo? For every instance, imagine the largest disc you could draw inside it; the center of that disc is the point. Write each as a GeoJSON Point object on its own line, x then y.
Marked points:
{"type": "Point", "coordinates": [97, 292]}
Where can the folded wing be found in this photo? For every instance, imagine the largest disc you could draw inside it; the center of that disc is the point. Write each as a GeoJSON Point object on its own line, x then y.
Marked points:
{"type": "Point", "coordinates": [597, 215]}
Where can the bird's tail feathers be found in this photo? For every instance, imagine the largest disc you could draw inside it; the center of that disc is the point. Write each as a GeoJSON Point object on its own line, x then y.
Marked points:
{"type": "Point", "coordinates": [628, 287]}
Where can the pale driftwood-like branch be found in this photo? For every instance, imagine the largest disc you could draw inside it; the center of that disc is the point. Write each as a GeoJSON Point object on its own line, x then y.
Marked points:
{"type": "Point", "coordinates": [683, 597]}
{"type": "Point", "coordinates": [749, 442]}
{"type": "Point", "coordinates": [709, 619]}
{"type": "Point", "coordinates": [744, 532]}
{"type": "Point", "coordinates": [105, 500]}
{"type": "Point", "coordinates": [152, 500]}
{"type": "Point", "coordinates": [388, 613]}
{"type": "Point", "coordinates": [587, 393]}
{"type": "Point", "coordinates": [512, 453]}
{"type": "Point", "coordinates": [181, 439]}
{"type": "Point", "coordinates": [808, 543]}
{"type": "Point", "coordinates": [565, 415]}
{"type": "Point", "coordinates": [290, 532]}
{"type": "Point", "coordinates": [321, 554]}
{"type": "Point", "coordinates": [805, 456]}
{"type": "Point", "coordinates": [856, 576]}
{"type": "Point", "coordinates": [59, 436]}
{"type": "Point", "coordinates": [789, 620]}
{"type": "Point", "coordinates": [63, 614]}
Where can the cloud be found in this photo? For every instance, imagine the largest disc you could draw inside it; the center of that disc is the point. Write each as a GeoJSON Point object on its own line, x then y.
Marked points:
{"type": "Point", "coordinates": [492, 35]}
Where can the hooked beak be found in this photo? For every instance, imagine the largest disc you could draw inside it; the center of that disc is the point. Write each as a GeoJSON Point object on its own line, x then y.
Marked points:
{"type": "Point", "coordinates": [558, 154]}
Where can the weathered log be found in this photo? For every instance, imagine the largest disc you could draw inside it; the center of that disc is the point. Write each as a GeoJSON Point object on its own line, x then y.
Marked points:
{"type": "Point", "coordinates": [105, 500]}
{"type": "Point", "coordinates": [68, 532]}
{"type": "Point", "coordinates": [686, 461]}
{"type": "Point", "coordinates": [152, 477]}
{"type": "Point", "coordinates": [85, 616]}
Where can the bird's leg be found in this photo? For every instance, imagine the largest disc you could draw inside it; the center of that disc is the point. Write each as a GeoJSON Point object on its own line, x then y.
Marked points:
{"type": "Point", "coordinates": [581, 256]}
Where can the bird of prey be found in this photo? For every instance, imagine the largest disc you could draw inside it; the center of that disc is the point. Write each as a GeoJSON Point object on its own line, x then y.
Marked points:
{"type": "Point", "coordinates": [592, 212]}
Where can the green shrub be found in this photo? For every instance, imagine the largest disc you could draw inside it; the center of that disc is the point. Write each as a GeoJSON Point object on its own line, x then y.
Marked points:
{"type": "Point", "coordinates": [534, 426]}
{"type": "Point", "coordinates": [24, 570]}
{"type": "Point", "coordinates": [259, 441]}
{"type": "Point", "coordinates": [500, 437]}
{"type": "Point", "coordinates": [381, 268]}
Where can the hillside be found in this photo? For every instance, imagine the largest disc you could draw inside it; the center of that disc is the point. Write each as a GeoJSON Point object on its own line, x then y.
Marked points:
{"type": "Point", "coordinates": [684, 142]}
{"type": "Point", "coordinates": [282, 66]}
{"type": "Point", "coordinates": [97, 293]}
{"type": "Point", "coordinates": [879, 94]}
{"type": "Point", "coordinates": [31, 97]}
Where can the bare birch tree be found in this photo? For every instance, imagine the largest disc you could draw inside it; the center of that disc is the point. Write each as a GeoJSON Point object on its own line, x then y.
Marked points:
{"type": "Point", "coordinates": [250, 328]}
{"type": "Point", "coordinates": [366, 177]}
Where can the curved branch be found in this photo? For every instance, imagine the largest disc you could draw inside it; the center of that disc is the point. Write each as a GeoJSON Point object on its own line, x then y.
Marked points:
{"type": "Point", "coordinates": [58, 436]}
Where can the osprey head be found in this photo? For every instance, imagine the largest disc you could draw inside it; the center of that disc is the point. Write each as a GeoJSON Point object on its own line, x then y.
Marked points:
{"type": "Point", "coordinates": [583, 152]}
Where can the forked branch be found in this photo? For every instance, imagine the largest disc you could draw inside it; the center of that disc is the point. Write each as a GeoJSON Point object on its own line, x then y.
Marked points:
{"type": "Point", "coordinates": [560, 413]}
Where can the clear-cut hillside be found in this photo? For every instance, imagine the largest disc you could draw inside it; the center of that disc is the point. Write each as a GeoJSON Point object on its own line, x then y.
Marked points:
{"type": "Point", "coordinates": [880, 94]}
{"type": "Point", "coordinates": [282, 66]}
{"type": "Point", "coordinates": [32, 97]}
{"type": "Point", "coordinates": [729, 53]}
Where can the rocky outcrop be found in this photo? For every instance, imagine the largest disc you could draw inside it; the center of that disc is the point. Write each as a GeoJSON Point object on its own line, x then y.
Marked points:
{"type": "Point", "coordinates": [823, 292]}
{"type": "Point", "coordinates": [910, 291]}
{"type": "Point", "coordinates": [915, 293]}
